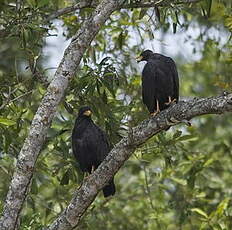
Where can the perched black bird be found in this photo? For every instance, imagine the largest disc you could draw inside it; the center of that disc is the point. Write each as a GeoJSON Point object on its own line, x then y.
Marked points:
{"type": "Point", "coordinates": [160, 81]}
{"type": "Point", "coordinates": [90, 145]}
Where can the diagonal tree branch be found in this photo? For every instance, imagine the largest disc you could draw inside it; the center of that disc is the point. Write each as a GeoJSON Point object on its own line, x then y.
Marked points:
{"type": "Point", "coordinates": [20, 183]}
{"type": "Point", "coordinates": [85, 195]}
{"type": "Point", "coordinates": [80, 5]}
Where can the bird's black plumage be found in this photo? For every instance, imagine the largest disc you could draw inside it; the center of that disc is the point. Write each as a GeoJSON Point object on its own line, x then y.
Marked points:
{"type": "Point", "coordinates": [90, 145]}
{"type": "Point", "coordinates": [160, 81]}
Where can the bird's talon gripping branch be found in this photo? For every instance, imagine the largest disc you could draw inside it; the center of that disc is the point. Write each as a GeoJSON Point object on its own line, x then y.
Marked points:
{"type": "Point", "coordinates": [157, 109]}
{"type": "Point", "coordinates": [87, 175]}
{"type": "Point", "coordinates": [170, 101]}
{"type": "Point", "coordinates": [155, 113]}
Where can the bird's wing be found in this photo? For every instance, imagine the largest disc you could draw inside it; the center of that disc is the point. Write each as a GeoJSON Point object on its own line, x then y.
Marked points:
{"type": "Point", "coordinates": [103, 147]}
{"type": "Point", "coordinates": [83, 144]}
{"type": "Point", "coordinates": [149, 85]}
{"type": "Point", "coordinates": [176, 83]}
{"type": "Point", "coordinates": [78, 147]}
{"type": "Point", "coordinates": [175, 77]}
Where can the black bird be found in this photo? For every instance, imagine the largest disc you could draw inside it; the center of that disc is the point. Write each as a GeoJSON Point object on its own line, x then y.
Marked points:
{"type": "Point", "coordinates": [90, 145]}
{"type": "Point", "coordinates": [160, 81]}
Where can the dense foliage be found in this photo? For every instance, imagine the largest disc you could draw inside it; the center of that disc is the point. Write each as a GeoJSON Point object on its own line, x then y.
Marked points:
{"type": "Point", "coordinates": [179, 179]}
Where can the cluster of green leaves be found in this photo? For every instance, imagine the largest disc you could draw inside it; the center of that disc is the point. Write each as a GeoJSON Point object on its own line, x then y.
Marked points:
{"type": "Point", "coordinates": [179, 179]}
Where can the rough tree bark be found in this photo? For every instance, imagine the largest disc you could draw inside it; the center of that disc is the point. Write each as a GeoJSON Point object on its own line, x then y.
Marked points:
{"type": "Point", "coordinates": [20, 182]}
{"type": "Point", "coordinates": [183, 111]}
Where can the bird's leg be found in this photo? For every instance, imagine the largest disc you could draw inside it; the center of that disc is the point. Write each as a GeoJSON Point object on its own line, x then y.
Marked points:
{"type": "Point", "coordinates": [86, 174]}
{"type": "Point", "coordinates": [93, 168]}
{"type": "Point", "coordinates": [170, 101]}
{"type": "Point", "coordinates": [157, 109]}
{"type": "Point", "coordinates": [85, 177]}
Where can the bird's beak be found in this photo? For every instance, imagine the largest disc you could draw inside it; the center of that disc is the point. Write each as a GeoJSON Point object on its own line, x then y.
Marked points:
{"type": "Point", "coordinates": [139, 58]}
{"type": "Point", "coordinates": [87, 113]}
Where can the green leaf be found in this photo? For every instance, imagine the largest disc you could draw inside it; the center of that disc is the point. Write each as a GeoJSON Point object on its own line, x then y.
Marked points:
{"type": "Point", "coordinates": [228, 22]}
{"type": "Point", "coordinates": [31, 3]}
{"type": "Point", "coordinates": [174, 25]}
{"type": "Point", "coordinates": [157, 13]}
{"type": "Point", "coordinates": [142, 13]}
{"type": "Point", "coordinates": [177, 134]}
{"type": "Point", "coordinates": [108, 83]}
{"type": "Point", "coordinates": [34, 187]}
{"type": "Point", "coordinates": [65, 178]}
{"type": "Point", "coordinates": [200, 212]}
{"type": "Point", "coordinates": [186, 137]}
{"type": "Point", "coordinates": [120, 40]}
{"type": "Point", "coordinates": [151, 34]}
{"type": "Point", "coordinates": [7, 122]}
{"type": "Point", "coordinates": [179, 181]}
{"type": "Point", "coordinates": [208, 162]}
{"type": "Point", "coordinates": [42, 3]}
{"type": "Point", "coordinates": [104, 61]}
{"type": "Point", "coordinates": [222, 207]}
{"type": "Point", "coordinates": [104, 97]}
{"type": "Point", "coordinates": [208, 7]}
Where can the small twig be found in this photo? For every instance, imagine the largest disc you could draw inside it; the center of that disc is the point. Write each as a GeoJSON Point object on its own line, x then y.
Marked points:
{"type": "Point", "coordinates": [150, 17]}
{"type": "Point", "coordinates": [40, 77]}
{"type": "Point", "coordinates": [8, 101]}
{"type": "Point", "coordinates": [8, 98]}
{"type": "Point", "coordinates": [43, 203]}
{"type": "Point", "coordinates": [15, 99]}
{"type": "Point", "coordinates": [147, 187]}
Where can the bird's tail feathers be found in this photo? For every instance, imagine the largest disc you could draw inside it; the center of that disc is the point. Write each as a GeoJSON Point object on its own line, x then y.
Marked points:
{"type": "Point", "coordinates": [109, 189]}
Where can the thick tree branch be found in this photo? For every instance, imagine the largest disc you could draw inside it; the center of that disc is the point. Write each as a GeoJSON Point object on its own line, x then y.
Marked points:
{"type": "Point", "coordinates": [69, 9]}
{"type": "Point", "coordinates": [20, 182]}
{"type": "Point", "coordinates": [85, 195]}
{"type": "Point", "coordinates": [139, 4]}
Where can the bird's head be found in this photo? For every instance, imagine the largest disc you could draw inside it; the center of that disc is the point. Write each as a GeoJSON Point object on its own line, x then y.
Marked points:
{"type": "Point", "coordinates": [85, 111]}
{"type": "Point", "coordinates": [144, 56]}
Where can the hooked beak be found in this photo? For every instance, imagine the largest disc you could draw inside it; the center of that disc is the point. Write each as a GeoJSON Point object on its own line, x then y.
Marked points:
{"type": "Point", "coordinates": [139, 58]}
{"type": "Point", "coordinates": [87, 113]}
